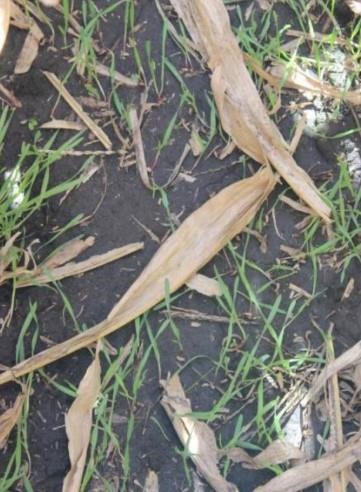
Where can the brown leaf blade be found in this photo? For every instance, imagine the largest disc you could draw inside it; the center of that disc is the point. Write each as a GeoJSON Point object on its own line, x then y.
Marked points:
{"type": "Point", "coordinates": [139, 148]}
{"type": "Point", "coordinates": [151, 482]}
{"type": "Point", "coordinates": [276, 453]}
{"type": "Point", "coordinates": [355, 6]}
{"type": "Point", "coordinates": [9, 419]}
{"type": "Point", "coordinates": [29, 50]}
{"type": "Point", "coordinates": [45, 274]}
{"type": "Point", "coordinates": [197, 437]}
{"type": "Point", "coordinates": [75, 106]}
{"type": "Point", "coordinates": [4, 21]}
{"type": "Point", "coordinates": [205, 232]}
{"type": "Point", "coordinates": [68, 252]}
{"type": "Point", "coordinates": [296, 78]}
{"type": "Point", "coordinates": [205, 285]}
{"type": "Point", "coordinates": [240, 107]}
{"type": "Point", "coordinates": [303, 476]}
{"type": "Point", "coordinates": [78, 422]}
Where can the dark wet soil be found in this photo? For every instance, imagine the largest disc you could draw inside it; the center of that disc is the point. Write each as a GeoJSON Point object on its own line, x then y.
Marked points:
{"type": "Point", "coordinates": [118, 197]}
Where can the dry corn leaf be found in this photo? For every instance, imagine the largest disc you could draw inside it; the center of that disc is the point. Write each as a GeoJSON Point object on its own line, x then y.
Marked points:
{"type": "Point", "coordinates": [205, 232]}
{"type": "Point", "coordinates": [62, 125]}
{"type": "Point", "coordinates": [45, 274]}
{"type": "Point", "coordinates": [276, 453]}
{"type": "Point", "coordinates": [296, 78]}
{"type": "Point", "coordinates": [240, 107]}
{"type": "Point", "coordinates": [265, 4]}
{"type": "Point", "coordinates": [4, 21]}
{"type": "Point", "coordinates": [348, 289]}
{"type": "Point", "coordinates": [151, 482]}
{"type": "Point", "coordinates": [9, 419]}
{"type": "Point", "coordinates": [337, 481]}
{"type": "Point", "coordinates": [355, 6]}
{"type": "Point", "coordinates": [18, 18]}
{"type": "Point", "coordinates": [68, 252]}
{"type": "Point", "coordinates": [78, 423]}
{"type": "Point", "coordinates": [197, 437]}
{"type": "Point", "coordinates": [303, 476]}
{"type": "Point", "coordinates": [50, 3]}
{"type": "Point", "coordinates": [351, 357]}
{"type": "Point", "coordinates": [75, 106]}
{"type": "Point", "coordinates": [5, 258]}
{"type": "Point", "coordinates": [29, 50]}
{"type": "Point", "coordinates": [118, 77]}
{"type": "Point", "coordinates": [196, 143]}
{"type": "Point", "coordinates": [139, 148]}
{"type": "Point", "coordinates": [204, 285]}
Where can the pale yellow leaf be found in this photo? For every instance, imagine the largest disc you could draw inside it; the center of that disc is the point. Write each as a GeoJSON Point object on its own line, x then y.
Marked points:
{"type": "Point", "coordinates": [68, 251]}
{"type": "Point", "coordinates": [303, 476]}
{"type": "Point", "coordinates": [151, 482]}
{"type": "Point", "coordinates": [5, 258]}
{"type": "Point", "coordinates": [197, 437]}
{"type": "Point", "coordinates": [200, 237]}
{"type": "Point", "coordinates": [9, 419]}
{"type": "Point", "coordinates": [44, 274]}
{"type": "Point", "coordinates": [352, 357]}
{"type": "Point", "coordinates": [205, 285]}
{"type": "Point", "coordinates": [50, 3]}
{"type": "Point", "coordinates": [276, 453]}
{"type": "Point", "coordinates": [62, 125]}
{"type": "Point", "coordinates": [18, 18]}
{"type": "Point", "coordinates": [296, 78]}
{"type": "Point", "coordinates": [29, 50]}
{"type": "Point", "coordinates": [242, 113]}
{"type": "Point", "coordinates": [75, 106]}
{"type": "Point", "coordinates": [139, 149]}
{"type": "Point", "coordinates": [78, 423]}
{"type": "Point", "coordinates": [118, 77]}
{"type": "Point", "coordinates": [355, 6]}
{"type": "Point", "coordinates": [4, 21]}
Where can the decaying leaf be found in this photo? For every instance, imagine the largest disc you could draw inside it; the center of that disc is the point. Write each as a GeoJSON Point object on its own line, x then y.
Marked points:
{"type": "Point", "coordinates": [348, 359]}
{"type": "Point", "coordinates": [337, 481]}
{"type": "Point", "coordinates": [29, 50]}
{"type": "Point", "coordinates": [4, 21]}
{"type": "Point", "coordinates": [45, 274]}
{"type": "Point", "coordinates": [5, 259]}
{"type": "Point", "coordinates": [151, 482]}
{"type": "Point", "coordinates": [205, 232]}
{"type": "Point", "coordinates": [308, 474]}
{"type": "Point", "coordinates": [205, 285]}
{"type": "Point", "coordinates": [296, 78]}
{"type": "Point", "coordinates": [355, 6]}
{"type": "Point", "coordinates": [62, 125]}
{"type": "Point", "coordinates": [139, 149]}
{"type": "Point", "coordinates": [9, 419]}
{"type": "Point", "coordinates": [78, 423]}
{"type": "Point", "coordinates": [265, 4]}
{"type": "Point", "coordinates": [276, 453]}
{"type": "Point", "coordinates": [50, 3]}
{"type": "Point", "coordinates": [118, 77]}
{"type": "Point", "coordinates": [196, 143]}
{"type": "Point", "coordinates": [240, 107]}
{"type": "Point", "coordinates": [75, 106]}
{"type": "Point", "coordinates": [68, 252]}
{"type": "Point", "coordinates": [197, 437]}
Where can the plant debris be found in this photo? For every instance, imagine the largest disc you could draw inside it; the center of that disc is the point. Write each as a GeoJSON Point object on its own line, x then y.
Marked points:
{"type": "Point", "coordinates": [197, 437]}
{"type": "Point", "coordinates": [184, 253]}
{"type": "Point", "coordinates": [240, 107]}
{"type": "Point", "coordinates": [75, 106]}
{"type": "Point", "coordinates": [78, 423]}
{"type": "Point", "coordinates": [9, 419]}
{"type": "Point", "coordinates": [4, 21]}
